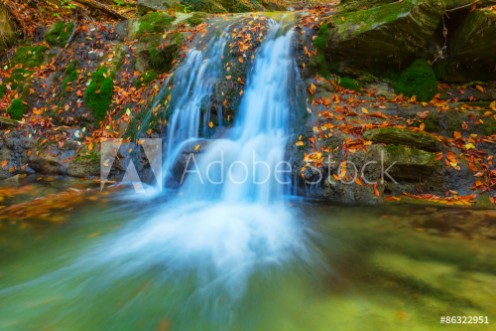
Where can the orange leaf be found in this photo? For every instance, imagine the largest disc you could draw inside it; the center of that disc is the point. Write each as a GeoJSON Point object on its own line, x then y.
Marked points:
{"type": "Point", "coordinates": [312, 88]}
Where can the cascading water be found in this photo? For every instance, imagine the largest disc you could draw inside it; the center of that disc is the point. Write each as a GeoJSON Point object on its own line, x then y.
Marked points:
{"type": "Point", "coordinates": [227, 228]}
{"type": "Point", "coordinates": [230, 217]}
{"type": "Point", "coordinates": [193, 84]}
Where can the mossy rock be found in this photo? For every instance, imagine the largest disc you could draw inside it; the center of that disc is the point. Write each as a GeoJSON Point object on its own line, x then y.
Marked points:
{"type": "Point", "coordinates": [146, 78]}
{"type": "Point", "coordinates": [196, 19]}
{"type": "Point", "coordinates": [86, 164]}
{"type": "Point", "coordinates": [18, 79]}
{"type": "Point", "coordinates": [59, 33]}
{"type": "Point", "coordinates": [354, 5]}
{"type": "Point", "coordinates": [16, 109]}
{"type": "Point", "coordinates": [380, 38]}
{"type": "Point", "coordinates": [154, 23]}
{"type": "Point", "coordinates": [99, 93]}
{"type": "Point", "coordinates": [29, 56]}
{"type": "Point", "coordinates": [207, 6]}
{"type": "Point", "coordinates": [472, 47]}
{"type": "Point", "coordinates": [348, 83]}
{"type": "Point", "coordinates": [146, 6]}
{"type": "Point", "coordinates": [162, 56]}
{"type": "Point", "coordinates": [409, 164]}
{"type": "Point", "coordinates": [397, 136]}
{"type": "Point", "coordinates": [418, 80]}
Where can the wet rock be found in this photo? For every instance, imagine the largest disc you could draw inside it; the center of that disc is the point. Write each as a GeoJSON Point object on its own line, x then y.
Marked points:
{"type": "Point", "coordinates": [409, 164]}
{"type": "Point", "coordinates": [473, 46]}
{"type": "Point", "coordinates": [158, 53]}
{"type": "Point", "coordinates": [380, 38]}
{"type": "Point", "coordinates": [83, 167]}
{"type": "Point", "coordinates": [404, 137]}
{"type": "Point", "coordinates": [4, 156]}
{"type": "Point", "coordinates": [47, 165]}
{"type": "Point", "coordinates": [14, 180]}
{"type": "Point", "coordinates": [51, 160]}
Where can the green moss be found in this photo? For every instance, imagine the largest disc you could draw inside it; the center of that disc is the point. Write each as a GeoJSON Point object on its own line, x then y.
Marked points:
{"type": "Point", "coordinates": [161, 57]}
{"type": "Point", "coordinates": [196, 19]}
{"type": "Point", "coordinates": [146, 78]}
{"type": "Point", "coordinates": [357, 22]}
{"type": "Point", "coordinates": [16, 109]}
{"type": "Point", "coordinates": [320, 43]}
{"type": "Point", "coordinates": [154, 23]}
{"type": "Point", "coordinates": [349, 83]}
{"type": "Point", "coordinates": [88, 156]}
{"type": "Point", "coordinates": [418, 80]}
{"type": "Point", "coordinates": [431, 123]}
{"type": "Point", "coordinates": [98, 94]}
{"type": "Point", "coordinates": [208, 6]}
{"type": "Point", "coordinates": [3, 90]}
{"type": "Point", "coordinates": [489, 126]}
{"type": "Point", "coordinates": [236, 6]}
{"type": "Point", "coordinates": [29, 56]}
{"type": "Point", "coordinates": [59, 34]}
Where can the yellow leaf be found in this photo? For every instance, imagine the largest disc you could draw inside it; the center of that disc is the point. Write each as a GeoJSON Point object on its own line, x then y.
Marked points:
{"type": "Point", "coordinates": [365, 110]}
{"type": "Point", "coordinates": [240, 59]}
{"type": "Point", "coordinates": [469, 146]}
{"type": "Point", "coordinates": [493, 105]}
{"type": "Point", "coordinates": [211, 124]}
{"type": "Point", "coordinates": [197, 147]}
{"type": "Point", "coordinates": [312, 88]}
{"type": "Point", "coordinates": [343, 18]}
{"type": "Point", "coordinates": [422, 126]}
{"type": "Point", "coordinates": [300, 143]}
{"type": "Point", "coordinates": [480, 88]}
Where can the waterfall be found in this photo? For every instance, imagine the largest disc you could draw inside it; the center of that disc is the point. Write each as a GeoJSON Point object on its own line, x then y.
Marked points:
{"type": "Point", "coordinates": [230, 217]}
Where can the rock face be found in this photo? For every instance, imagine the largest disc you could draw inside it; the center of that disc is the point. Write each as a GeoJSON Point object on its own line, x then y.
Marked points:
{"type": "Point", "coordinates": [473, 45]}
{"type": "Point", "coordinates": [383, 37]}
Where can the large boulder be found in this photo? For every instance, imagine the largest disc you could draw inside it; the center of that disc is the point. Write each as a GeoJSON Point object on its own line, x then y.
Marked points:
{"type": "Point", "coordinates": [145, 6]}
{"type": "Point", "coordinates": [404, 137]}
{"type": "Point", "coordinates": [473, 46]}
{"type": "Point", "coordinates": [384, 37]}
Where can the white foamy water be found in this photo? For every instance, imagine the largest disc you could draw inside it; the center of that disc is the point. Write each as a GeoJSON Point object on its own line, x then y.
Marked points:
{"type": "Point", "coordinates": [224, 230]}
